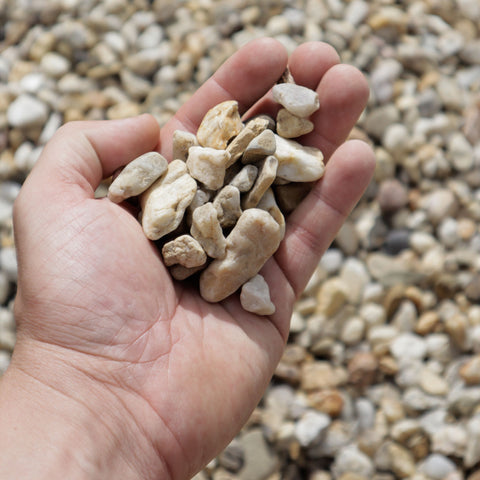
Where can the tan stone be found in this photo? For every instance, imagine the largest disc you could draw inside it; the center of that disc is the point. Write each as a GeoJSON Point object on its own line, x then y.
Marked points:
{"type": "Point", "coordinates": [255, 296]}
{"type": "Point", "coordinates": [207, 230]}
{"type": "Point", "coordinates": [255, 237]}
{"type": "Point", "coordinates": [291, 126]}
{"type": "Point", "coordinates": [237, 146]}
{"type": "Point", "coordinates": [299, 100]}
{"type": "Point", "coordinates": [164, 203]}
{"type": "Point", "coordinates": [182, 141]}
{"type": "Point", "coordinates": [227, 204]}
{"type": "Point", "coordinates": [260, 147]}
{"type": "Point", "coordinates": [332, 296]}
{"type": "Point", "coordinates": [208, 165]}
{"type": "Point", "coordinates": [245, 178]}
{"type": "Point", "coordinates": [221, 123]}
{"type": "Point", "coordinates": [265, 178]}
{"type": "Point", "coordinates": [137, 176]}
{"type": "Point", "coordinates": [298, 163]}
{"type": "Point", "coordinates": [184, 250]}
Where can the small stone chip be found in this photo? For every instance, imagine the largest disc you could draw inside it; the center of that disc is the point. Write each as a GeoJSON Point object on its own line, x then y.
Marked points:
{"type": "Point", "coordinates": [298, 100]}
{"type": "Point", "coordinates": [255, 296]}
{"type": "Point", "coordinates": [137, 176]}
{"type": "Point", "coordinates": [245, 178]}
{"type": "Point", "coordinates": [185, 251]}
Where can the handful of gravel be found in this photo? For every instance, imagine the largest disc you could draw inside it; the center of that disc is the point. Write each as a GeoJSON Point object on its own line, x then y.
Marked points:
{"type": "Point", "coordinates": [219, 207]}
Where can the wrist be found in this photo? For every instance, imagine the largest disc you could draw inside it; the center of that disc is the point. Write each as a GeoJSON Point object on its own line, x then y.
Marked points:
{"type": "Point", "coordinates": [57, 422]}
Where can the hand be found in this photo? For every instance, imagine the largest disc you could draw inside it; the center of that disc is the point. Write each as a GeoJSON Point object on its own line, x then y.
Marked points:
{"type": "Point", "coordinates": [118, 369]}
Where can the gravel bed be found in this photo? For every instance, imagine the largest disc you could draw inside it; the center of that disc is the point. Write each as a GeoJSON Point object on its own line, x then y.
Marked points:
{"type": "Point", "coordinates": [381, 375]}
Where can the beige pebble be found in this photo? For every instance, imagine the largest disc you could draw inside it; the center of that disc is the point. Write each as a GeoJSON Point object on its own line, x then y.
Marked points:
{"type": "Point", "coordinates": [184, 250]}
{"type": "Point", "coordinates": [300, 101]}
{"type": "Point", "coordinates": [182, 141]}
{"type": "Point", "coordinates": [238, 145]}
{"type": "Point", "coordinates": [208, 165]}
{"type": "Point", "coordinates": [260, 147]}
{"type": "Point", "coordinates": [291, 126]}
{"type": "Point", "coordinates": [227, 204]}
{"type": "Point", "coordinates": [265, 178]}
{"type": "Point", "coordinates": [137, 176]}
{"type": "Point", "coordinates": [255, 237]}
{"type": "Point", "coordinates": [207, 230]}
{"type": "Point", "coordinates": [470, 371]}
{"type": "Point", "coordinates": [164, 203]}
{"type": "Point", "coordinates": [221, 123]}
{"type": "Point", "coordinates": [245, 178]}
{"type": "Point", "coordinates": [297, 163]}
{"type": "Point", "coordinates": [255, 296]}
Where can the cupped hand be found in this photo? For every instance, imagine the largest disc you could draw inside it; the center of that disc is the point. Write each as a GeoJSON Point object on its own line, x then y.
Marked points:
{"type": "Point", "coordinates": [171, 377]}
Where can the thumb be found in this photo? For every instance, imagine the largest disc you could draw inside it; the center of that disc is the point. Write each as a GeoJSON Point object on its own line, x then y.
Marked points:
{"type": "Point", "coordinates": [81, 154]}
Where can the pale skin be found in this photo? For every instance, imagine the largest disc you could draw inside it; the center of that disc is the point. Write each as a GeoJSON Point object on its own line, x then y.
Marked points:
{"type": "Point", "coordinates": [118, 372]}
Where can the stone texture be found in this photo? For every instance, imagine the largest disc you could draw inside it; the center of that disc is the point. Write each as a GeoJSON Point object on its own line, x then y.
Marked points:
{"type": "Point", "coordinates": [297, 163]}
{"type": "Point", "coordinates": [137, 176]}
{"type": "Point", "coordinates": [260, 147]}
{"type": "Point", "coordinates": [207, 230]}
{"type": "Point", "coordinates": [298, 100]}
{"type": "Point", "coordinates": [185, 251]}
{"type": "Point", "coordinates": [292, 126]}
{"type": "Point", "coordinates": [208, 166]}
{"type": "Point", "coordinates": [182, 141]}
{"type": "Point", "coordinates": [164, 203]}
{"type": "Point", "coordinates": [219, 125]}
{"type": "Point", "coordinates": [266, 176]}
{"type": "Point", "coordinates": [251, 242]}
{"type": "Point", "coordinates": [255, 296]}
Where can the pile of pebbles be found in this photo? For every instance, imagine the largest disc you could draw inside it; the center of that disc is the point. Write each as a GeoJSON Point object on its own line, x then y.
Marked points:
{"type": "Point", "coordinates": [381, 374]}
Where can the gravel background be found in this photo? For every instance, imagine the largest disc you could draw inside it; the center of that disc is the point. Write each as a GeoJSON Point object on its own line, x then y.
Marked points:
{"type": "Point", "coordinates": [381, 375]}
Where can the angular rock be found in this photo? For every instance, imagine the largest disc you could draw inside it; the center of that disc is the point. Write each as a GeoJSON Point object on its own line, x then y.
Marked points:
{"type": "Point", "coordinates": [227, 204]}
{"type": "Point", "coordinates": [297, 163]}
{"type": "Point", "coordinates": [208, 165]}
{"type": "Point", "coordinates": [292, 126]}
{"type": "Point", "coordinates": [300, 101]}
{"type": "Point", "coordinates": [137, 176]}
{"type": "Point", "coordinates": [184, 250]}
{"type": "Point", "coordinates": [260, 147]}
{"type": "Point", "coordinates": [245, 178]}
{"type": "Point", "coordinates": [255, 296]}
{"type": "Point", "coordinates": [164, 203]}
{"type": "Point", "coordinates": [265, 178]}
{"type": "Point", "coordinates": [255, 237]}
{"type": "Point", "coordinates": [207, 230]}
{"type": "Point", "coordinates": [221, 123]}
{"type": "Point", "coordinates": [237, 146]}
{"type": "Point", "coordinates": [182, 141]}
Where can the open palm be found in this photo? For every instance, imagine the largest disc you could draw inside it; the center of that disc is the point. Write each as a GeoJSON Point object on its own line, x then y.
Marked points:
{"type": "Point", "coordinates": [94, 294]}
